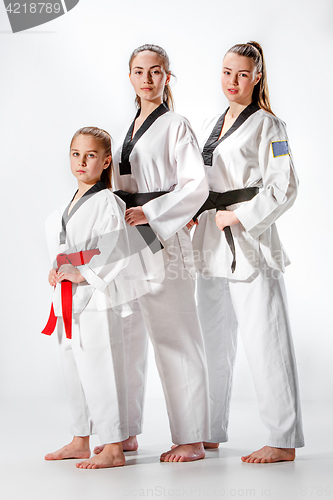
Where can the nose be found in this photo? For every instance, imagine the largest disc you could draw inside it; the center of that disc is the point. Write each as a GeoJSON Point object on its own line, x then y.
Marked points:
{"type": "Point", "coordinates": [234, 79]}
{"type": "Point", "coordinates": [82, 161]}
{"type": "Point", "coordinates": [148, 77]}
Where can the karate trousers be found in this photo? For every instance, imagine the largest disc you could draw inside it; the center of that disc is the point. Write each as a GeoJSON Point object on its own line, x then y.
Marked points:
{"type": "Point", "coordinates": [258, 307]}
{"type": "Point", "coordinates": [168, 313]}
{"type": "Point", "coordinates": [93, 364]}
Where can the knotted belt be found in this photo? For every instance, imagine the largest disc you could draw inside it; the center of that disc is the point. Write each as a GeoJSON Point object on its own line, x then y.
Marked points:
{"type": "Point", "coordinates": [220, 201]}
{"type": "Point", "coordinates": [76, 259]}
{"type": "Point", "coordinates": [137, 200]}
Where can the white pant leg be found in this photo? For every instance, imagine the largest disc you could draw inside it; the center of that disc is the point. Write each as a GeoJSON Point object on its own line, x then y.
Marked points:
{"type": "Point", "coordinates": [136, 345]}
{"type": "Point", "coordinates": [219, 328]}
{"type": "Point", "coordinates": [94, 370]}
{"type": "Point", "coordinates": [261, 310]}
{"type": "Point", "coordinates": [170, 315]}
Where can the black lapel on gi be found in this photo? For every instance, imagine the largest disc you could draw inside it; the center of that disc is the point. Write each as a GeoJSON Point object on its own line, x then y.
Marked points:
{"type": "Point", "coordinates": [129, 143]}
{"type": "Point", "coordinates": [99, 186]}
{"type": "Point", "coordinates": [213, 140]}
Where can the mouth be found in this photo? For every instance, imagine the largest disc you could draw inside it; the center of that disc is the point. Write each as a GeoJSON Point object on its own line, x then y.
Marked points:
{"type": "Point", "coordinates": [147, 88]}
{"type": "Point", "coordinates": [80, 171]}
{"type": "Point", "coordinates": [232, 91]}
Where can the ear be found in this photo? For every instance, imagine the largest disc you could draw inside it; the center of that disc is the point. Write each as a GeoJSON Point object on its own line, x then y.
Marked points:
{"type": "Point", "coordinates": [168, 78]}
{"type": "Point", "coordinates": [107, 162]}
{"type": "Point", "coordinates": [258, 78]}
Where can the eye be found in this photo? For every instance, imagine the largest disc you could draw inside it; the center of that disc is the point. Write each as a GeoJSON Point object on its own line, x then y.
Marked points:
{"type": "Point", "coordinates": [226, 72]}
{"type": "Point", "coordinates": [243, 75]}
{"type": "Point", "coordinates": [75, 153]}
{"type": "Point", "coordinates": [138, 72]}
{"type": "Point", "coordinates": [91, 155]}
{"type": "Point", "coordinates": [156, 72]}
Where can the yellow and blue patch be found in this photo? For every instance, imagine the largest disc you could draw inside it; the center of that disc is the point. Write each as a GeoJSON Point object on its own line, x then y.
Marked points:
{"type": "Point", "coordinates": [280, 148]}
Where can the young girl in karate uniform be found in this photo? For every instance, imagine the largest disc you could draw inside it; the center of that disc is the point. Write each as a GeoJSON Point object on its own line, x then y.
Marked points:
{"type": "Point", "coordinates": [241, 259]}
{"type": "Point", "coordinates": [90, 241]}
{"type": "Point", "coordinates": [158, 165]}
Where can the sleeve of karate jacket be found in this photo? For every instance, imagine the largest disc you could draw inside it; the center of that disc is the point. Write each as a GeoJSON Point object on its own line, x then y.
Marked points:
{"type": "Point", "coordinates": [279, 180]}
{"type": "Point", "coordinates": [112, 244]}
{"type": "Point", "coordinates": [171, 212]}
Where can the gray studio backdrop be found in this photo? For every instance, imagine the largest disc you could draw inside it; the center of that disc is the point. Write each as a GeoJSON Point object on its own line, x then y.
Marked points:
{"type": "Point", "coordinates": [73, 72]}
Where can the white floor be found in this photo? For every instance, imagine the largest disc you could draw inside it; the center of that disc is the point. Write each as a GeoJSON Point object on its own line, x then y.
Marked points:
{"type": "Point", "coordinates": [30, 429]}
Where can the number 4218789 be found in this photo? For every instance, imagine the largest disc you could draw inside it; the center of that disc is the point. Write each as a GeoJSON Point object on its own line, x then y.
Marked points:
{"type": "Point", "coordinates": [34, 8]}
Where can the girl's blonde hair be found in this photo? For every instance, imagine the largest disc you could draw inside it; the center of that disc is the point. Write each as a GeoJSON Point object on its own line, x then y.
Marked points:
{"type": "Point", "coordinates": [254, 51]}
{"type": "Point", "coordinates": [167, 94]}
{"type": "Point", "coordinates": [105, 139]}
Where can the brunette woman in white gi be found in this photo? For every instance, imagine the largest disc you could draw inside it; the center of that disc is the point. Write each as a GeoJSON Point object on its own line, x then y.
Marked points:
{"type": "Point", "coordinates": [89, 238]}
{"type": "Point", "coordinates": [240, 284]}
{"type": "Point", "coordinates": [159, 165]}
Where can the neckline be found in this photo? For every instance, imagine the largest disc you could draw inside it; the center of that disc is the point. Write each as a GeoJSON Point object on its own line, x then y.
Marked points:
{"type": "Point", "coordinates": [99, 186]}
{"type": "Point", "coordinates": [214, 139]}
{"type": "Point", "coordinates": [130, 142]}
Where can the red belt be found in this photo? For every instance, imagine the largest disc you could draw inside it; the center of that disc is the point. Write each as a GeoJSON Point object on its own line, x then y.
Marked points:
{"type": "Point", "coordinates": [76, 259]}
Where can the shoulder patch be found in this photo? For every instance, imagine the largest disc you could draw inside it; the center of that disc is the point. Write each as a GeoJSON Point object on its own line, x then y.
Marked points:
{"type": "Point", "coordinates": [280, 148]}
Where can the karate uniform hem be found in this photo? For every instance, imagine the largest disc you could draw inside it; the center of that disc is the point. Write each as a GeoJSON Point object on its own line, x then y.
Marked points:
{"type": "Point", "coordinates": [286, 444]}
{"type": "Point", "coordinates": [108, 437]}
{"type": "Point", "coordinates": [135, 430]}
{"type": "Point", "coordinates": [197, 438]}
{"type": "Point", "coordinates": [217, 440]}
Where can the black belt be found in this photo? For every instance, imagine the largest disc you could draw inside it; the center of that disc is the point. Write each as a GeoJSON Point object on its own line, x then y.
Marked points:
{"type": "Point", "coordinates": [220, 201]}
{"type": "Point", "coordinates": [137, 200]}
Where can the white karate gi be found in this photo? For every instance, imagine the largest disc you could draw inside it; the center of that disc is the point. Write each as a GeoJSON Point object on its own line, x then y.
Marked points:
{"type": "Point", "coordinates": [253, 297]}
{"type": "Point", "coordinates": [93, 360]}
{"type": "Point", "coordinates": [167, 158]}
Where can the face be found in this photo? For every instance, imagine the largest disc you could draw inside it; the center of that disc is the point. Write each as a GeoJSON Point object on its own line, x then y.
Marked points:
{"type": "Point", "coordinates": [88, 160]}
{"type": "Point", "coordinates": [148, 76]}
{"type": "Point", "coordinates": [239, 77]}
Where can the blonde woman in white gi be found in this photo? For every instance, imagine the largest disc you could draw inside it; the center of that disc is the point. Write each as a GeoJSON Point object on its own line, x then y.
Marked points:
{"type": "Point", "coordinates": [240, 258]}
{"type": "Point", "coordinates": [88, 238]}
{"type": "Point", "coordinates": [159, 170]}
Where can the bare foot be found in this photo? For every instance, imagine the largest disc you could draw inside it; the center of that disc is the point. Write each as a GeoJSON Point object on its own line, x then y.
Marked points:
{"type": "Point", "coordinates": [184, 453]}
{"type": "Point", "coordinates": [268, 455]}
{"type": "Point", "coordinates": [78, 448]}
{"type": "Point", "coordinates": [210, 446]}
{"type": "Point", "coordinates": [130, 444]}
{"type": "Point", "coordinates": [111, 456]}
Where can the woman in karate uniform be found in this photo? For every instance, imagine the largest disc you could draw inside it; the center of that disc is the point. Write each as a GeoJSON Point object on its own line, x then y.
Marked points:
{"type": "Point", "coordinates": [241, 259]}
{"type": "Point", "coordinates": [89, 238]}
{"type": "Point", "coordinates": [159, 165]}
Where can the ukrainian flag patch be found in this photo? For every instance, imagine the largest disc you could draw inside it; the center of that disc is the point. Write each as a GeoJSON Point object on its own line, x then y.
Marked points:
{"type": "Point", "coordinates": [280, 148]}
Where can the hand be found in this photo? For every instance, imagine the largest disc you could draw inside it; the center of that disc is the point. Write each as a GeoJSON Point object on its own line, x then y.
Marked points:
{"type": "Point", "coordinates": [225, 218]}
{"type": "Point", "coordinates": [53, 277]}
{"type": "Point", "coordinates": [135, 216]}
{"type": "Point", "coordinates": [191, 224]}
{"type": "Point", "coordinates": [70, 273]}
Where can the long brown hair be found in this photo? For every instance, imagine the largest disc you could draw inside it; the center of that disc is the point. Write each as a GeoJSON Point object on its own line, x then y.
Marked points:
{"type": "Point", "coordinates": [105, 139]}
{"type": "Point", "coordinates": [167, 94]}
{"type": "Point", "coordinates": [254, 51]}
